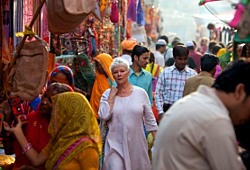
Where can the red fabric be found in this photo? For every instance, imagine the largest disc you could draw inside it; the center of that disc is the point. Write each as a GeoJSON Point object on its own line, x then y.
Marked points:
{"type": "Point", "coordinates": [154, 109]}
{"type": "Point", "coordinates": [114, 17]}
{"type": "Point", "coordinates": [36, 132]}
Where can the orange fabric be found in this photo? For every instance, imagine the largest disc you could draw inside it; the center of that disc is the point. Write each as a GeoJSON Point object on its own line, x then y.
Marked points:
{"type": "Point", "coordinates": [128, 44]}
{"type": "Point", "coordinates": [129, 29]}
{"type": "Point", "coordinates": [51, 62]}
{"type": "Point", "coordinates": [87, 159]}
{"type": "Point", "coordinates": [101, 83]}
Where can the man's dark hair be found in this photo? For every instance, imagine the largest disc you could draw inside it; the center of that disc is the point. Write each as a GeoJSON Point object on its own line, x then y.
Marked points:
{"type": "Point", "coordinates": [215, 49]}
{"type": "Point", "coordinates": [138, 50]}
{"type": "Point", "coordinates": [157, 46]}
{"type": "Point", "coordinates": [190, 47]}
{"type": "Point", "coordinates": [208, 62]}
{"type": "Point", "coordinates": [164, 37]}
{"type": "Point", "coordinates": [175, 43]}
{"type": "Point", "coordinates": [238, 73]}
{"type": "Point", "coordinates": [126, 52]}
{"type": "Point", "coordinates": [211, 45]}
{"type": "Point", "coordinates": [244, 52]}
{"type": "Point", "coordinates": [180, 50]}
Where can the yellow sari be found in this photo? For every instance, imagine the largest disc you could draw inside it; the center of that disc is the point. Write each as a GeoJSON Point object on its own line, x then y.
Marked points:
{"type": "Point", "coordinates": [101, 83]}
{"type": "Point", "coordinates": [72, 119]}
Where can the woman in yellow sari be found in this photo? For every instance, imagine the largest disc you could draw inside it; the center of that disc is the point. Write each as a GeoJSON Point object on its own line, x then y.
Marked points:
{"type": "Point", "coordinates": [154, 69]}
{"type": "Point", "coordinates": [103, 80]}
{"type": "Point", "coordinates": [75, 137]}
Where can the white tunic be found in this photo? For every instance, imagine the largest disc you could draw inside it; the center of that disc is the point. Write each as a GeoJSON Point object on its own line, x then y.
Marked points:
{"type": "Point", "coordinates": [126, 145]}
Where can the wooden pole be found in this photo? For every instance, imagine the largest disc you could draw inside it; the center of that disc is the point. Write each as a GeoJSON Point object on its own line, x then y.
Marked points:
{"type": "Point", "coordinates": [25, 36]}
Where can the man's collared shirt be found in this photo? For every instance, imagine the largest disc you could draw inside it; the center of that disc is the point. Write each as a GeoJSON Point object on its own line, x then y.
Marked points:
{"type": "Point", "coordinates": [143, 80]}
{"type": "Point", "coordinates": [170, 85]}
{"type": "Point", "coordinates": [192, 83]}
{"type": "Point", "coordinates": [197, 133]}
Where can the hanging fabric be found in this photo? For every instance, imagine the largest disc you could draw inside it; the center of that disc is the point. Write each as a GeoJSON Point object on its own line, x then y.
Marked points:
{"type": "Point", "coordinates": [140, 15]}
{"type": "Point", "coordinates": [97, 11]}
{"type": "Point", "coordinates": [65, 15]}
{"type": "Point", "coordinates": [114, 17]}
{"type": "Point", "coordinates": [131, 15]}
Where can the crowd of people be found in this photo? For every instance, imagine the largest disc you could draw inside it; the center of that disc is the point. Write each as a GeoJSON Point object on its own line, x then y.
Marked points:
{"type": "Point", "coordinates": [176, 107]}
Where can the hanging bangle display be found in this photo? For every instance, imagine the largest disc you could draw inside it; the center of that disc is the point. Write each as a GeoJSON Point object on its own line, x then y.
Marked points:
{"type": "Point", "coordinates": [27, 148]}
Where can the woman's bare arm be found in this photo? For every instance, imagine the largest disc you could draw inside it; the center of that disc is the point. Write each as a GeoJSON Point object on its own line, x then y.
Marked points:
{"type": "Point", "coordinates": [35, 158]}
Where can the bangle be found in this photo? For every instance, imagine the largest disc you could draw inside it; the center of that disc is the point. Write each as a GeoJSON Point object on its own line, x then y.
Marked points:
{"type": "Point", "coordinates": [26, 148]}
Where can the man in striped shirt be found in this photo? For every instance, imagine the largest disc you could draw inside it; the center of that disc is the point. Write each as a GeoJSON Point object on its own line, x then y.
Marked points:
{"type": "Point", "coordinates": [172, 79]}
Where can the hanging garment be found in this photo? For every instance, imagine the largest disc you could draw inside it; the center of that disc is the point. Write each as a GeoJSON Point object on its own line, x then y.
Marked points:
{"type": "Point", "coordinates": [114, 17]}
{"type": "Point", "coordinates": [65, 15]}
{"type": "Point", "coordinates": [131, 14]}
{"type": "Point", "coordinates": [140, 14]}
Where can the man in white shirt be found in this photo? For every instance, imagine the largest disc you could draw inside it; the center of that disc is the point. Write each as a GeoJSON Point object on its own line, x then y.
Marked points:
{"type": "Point", "coordinates": [160, 47]}
{"type": "Point", "coordinates": [197, 131]}
{"type": "Point", "coordinates": [127, 47]}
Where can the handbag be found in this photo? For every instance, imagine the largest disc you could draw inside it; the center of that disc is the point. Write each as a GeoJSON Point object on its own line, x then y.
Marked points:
{"type": "Point", "coordinates": [28, 76]}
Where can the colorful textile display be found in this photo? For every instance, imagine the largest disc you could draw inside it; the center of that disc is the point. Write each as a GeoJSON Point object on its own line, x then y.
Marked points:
{"type": "Point", "coordinates": [114, 17]}
{"type": "Point", "coordinates": [140, 14]}
{"type": "Point", "coordinates": [131, 15]}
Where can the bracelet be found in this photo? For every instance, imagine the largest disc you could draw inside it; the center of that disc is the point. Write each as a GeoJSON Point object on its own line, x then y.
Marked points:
{"type": "Point", "coordinates": [26, 148]}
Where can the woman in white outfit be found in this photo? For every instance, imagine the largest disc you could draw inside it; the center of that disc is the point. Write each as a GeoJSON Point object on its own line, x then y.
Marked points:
{"type": "Point", "coordinates": [127, 107]}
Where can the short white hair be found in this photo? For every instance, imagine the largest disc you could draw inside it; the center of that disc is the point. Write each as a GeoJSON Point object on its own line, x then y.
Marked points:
{"type": "Point", "coordinates": [119, 61]}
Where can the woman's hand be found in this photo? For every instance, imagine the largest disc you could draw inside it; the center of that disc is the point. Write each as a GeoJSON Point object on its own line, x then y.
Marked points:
{"type": "Point", "coordinates": [12, 129]}
{"type": "Point", "coordinates": [112, 94]}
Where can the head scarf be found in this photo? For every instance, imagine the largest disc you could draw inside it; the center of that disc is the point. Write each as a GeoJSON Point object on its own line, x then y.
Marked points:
{"type": "Point", "coordinates": [128, 44]}
{"type": "Point", "coordinates": [71, 119]}
{"type": "Point", "coordinates": [101, 83]}
{"type": "Point", "coordinates": [66, 71]}
{"type": "Point", "coordinates": [83, 73]}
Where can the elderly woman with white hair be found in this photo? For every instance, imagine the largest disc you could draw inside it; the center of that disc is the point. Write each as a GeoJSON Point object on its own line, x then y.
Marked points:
{"type": "Point", "coordinates": [127, 108]}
